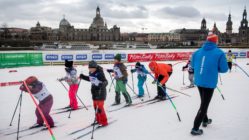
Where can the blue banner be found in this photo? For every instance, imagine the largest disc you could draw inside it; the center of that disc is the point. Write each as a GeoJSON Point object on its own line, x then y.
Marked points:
{"type": "Point", "coordinates": [109, 56]}
{"type": "Point", "coordinates": [123, 56]}
{"type": "Point", "coordinates": [67, 57]}
{"type": "Point", "coordinates": [242, 54]}
{"type": "Point", "coordinates": [96, 56]}
{"type": "Point", "coordinates": [52, 57]}
{"type": "Point", "coordinates": [81, 57]}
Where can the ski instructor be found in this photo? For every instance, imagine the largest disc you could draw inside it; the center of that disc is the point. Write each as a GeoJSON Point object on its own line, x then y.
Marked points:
{"type": "Point", "coordinates": [207, 62]}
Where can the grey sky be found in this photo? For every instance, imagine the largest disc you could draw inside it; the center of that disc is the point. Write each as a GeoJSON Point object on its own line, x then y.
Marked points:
{"type": "Point", "coordinates": [130, 15]}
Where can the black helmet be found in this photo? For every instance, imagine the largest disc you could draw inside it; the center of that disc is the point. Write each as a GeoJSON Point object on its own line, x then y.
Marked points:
{"type": "Point", "coordinates": [138, 64]}
{"type": "Point", "coordinates": [68, 64]}
{"type": "Point", "coordinates": [92, 64]}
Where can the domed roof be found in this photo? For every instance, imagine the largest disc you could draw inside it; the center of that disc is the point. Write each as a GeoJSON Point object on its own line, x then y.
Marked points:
{"type": "Point", "coordinates": [64, 22]}
{"type": "Point", "coordinates": [98, 22]}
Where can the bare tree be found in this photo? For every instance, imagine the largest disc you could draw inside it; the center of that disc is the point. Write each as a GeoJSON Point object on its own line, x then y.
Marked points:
{"type": "Point", "coordinates": [4, 27]}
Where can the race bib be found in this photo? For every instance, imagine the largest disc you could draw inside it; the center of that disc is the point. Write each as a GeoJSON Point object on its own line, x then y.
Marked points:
{"type": "Point", "coordinates": [118, 73]}
{"type": "Point", "coordinates": [94, 80]}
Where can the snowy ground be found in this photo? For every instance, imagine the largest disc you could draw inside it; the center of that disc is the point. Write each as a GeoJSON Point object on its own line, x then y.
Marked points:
{"type": "Point", "coordinates": [153, 122]}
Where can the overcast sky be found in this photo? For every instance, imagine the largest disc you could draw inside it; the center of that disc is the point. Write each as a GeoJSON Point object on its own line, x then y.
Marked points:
{"type": "Point", "coordinates": [130, 15]}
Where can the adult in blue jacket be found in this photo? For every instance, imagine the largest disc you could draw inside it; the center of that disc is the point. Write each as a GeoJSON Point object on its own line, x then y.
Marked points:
{"type": "Point", "coordinates": [207, 62]}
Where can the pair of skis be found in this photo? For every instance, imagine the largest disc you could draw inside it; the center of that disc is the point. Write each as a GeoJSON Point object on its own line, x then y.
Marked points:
{"type": "Point", "coordinates": [68, 109]}
{"type": "Point", "coordinates": [140, 104]}
{"type": "Point", "coordinates": [88, 130]}
{"type": "Point", "coordinates": [36, 130]}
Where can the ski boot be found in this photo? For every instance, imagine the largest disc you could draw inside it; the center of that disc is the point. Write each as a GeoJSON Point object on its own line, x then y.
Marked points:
{"type": "Point", "coordinates": [36, 126]}
{"type": "Point", "coordinates": [205, 124]}
{"type": "Point", "coordinates": [163, 98]}
{"type": "Point", "coordinates": [196, 132]}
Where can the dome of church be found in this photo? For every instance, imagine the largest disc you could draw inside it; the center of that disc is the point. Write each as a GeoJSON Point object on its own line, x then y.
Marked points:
{"type": "Point", "coordinates": [64, 22]}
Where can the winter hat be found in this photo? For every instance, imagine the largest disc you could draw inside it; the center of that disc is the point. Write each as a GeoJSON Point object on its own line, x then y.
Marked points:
{"type": "Point", "coordinates": [212, 37]}
{"type": "Point", "coordinates": [30, 80]}
{"type": "Point", "coordinates": [138, 64]}
{"type": "Point", "coordinates": [118, 57]}
{"type": "Point", "coordinates": [92, 64]}
{"type": "Point", "coordinates": [68, 64]}
{"type": "Point", "coordinates": [153, 65]}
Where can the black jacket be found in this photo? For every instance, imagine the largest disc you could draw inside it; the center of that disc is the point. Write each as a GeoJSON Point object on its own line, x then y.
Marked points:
{"type": "Point", "coordinates": [98, 91]}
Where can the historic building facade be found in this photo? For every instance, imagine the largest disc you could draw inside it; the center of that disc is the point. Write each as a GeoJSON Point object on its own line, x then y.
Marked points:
{"type": "Point", "coordinates": [98, 31]}
{"type": "Point", "coordinates": [40, 32]}
{"type": "Point", "coordinates": [192, 36]}
{"type": "Point", "coordinates": [230, 38]}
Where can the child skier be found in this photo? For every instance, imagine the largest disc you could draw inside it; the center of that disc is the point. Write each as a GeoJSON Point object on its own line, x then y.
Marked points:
{"type": "Point", "coordinates": [230, 58]}
{"type": "Point", "coordinates": [207, 62]}
{"type": "Point", "coordinates": [98, 89]}
{"type": "Point", "coordinates": [141, 76]}
{"type": "Point", "coordinates": [40, 92]}
{"type": "Point", "coordinates": [162, 73]}
{"type": "Point", "coordinates": [120, 75]}
{"type": "Point", "coordinates": [72, 80]}
{"type": "Point", "coordinates": [190, 73]}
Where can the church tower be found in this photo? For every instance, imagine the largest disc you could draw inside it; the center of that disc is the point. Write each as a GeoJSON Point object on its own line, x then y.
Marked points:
{"type": "Point", "coordinates": [229, 27]}
{"type": "Point", "coordinates": [244, 29]}
{"type": "Point", "coordinates": [215, 29]}
{"type": "Point", "coordinates": [244, 22]}
{"type": "Point", "coordinates": [203, 24]}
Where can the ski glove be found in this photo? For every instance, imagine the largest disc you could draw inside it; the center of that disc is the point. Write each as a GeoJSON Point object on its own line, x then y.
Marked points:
{"type": "Point", "coordinates": [154, 82]}
{"type": "Point", "coordinates": [133, 70]}
{"type": "Point", "coordinates": [109, 70]}
{"type": "Point", "coordinates": [82, 76]}
{"type": "Point", "coordinates": [160, 85]}
{"type": "Point", "coordinates": [125, 81]}
{"type": "Point", "coordinates": [61, 79]}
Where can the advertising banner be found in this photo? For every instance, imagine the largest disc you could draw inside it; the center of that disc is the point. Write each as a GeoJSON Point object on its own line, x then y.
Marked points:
{"type": "Point", "coordinates": [8, 60]}
{"type": "Point", "coordinates": [158, 56]}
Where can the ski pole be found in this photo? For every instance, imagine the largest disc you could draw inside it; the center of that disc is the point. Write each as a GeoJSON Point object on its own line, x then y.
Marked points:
{"type": "Point", "coordinates": [94, 122]}
{"type": "Point", "coordinates": [220, 79]}
{"type": "Point", "coordinates": [69, 116]}
{"type": "Point", "coordinates": [76, 94]}
{"type": "Point", "coordinates": [179, 62]}
{"type": "Point", "coordinates": [111, 85]}
{"type": "Point", "coordinates": [112, 82]}
{"type": "Point", "coordinates": [132, 81]}
{"type": "Point", "coordinates": [40, 111]}
{"type": "Point", "coordinates": [63, 85]}
{"type": "Point", "coordinates": [183, 81]}
{"type": "Point", "coordinates": [147, 89]}
{"type": "Point", "coordinates": [15, 109]}
{"type": "Point", "coordinates": [79, 97]}
{"type": "Point", "coordinates": [242, 69]}
{"type": "Point", "coordinates": [133, 91]}
{"type": "Point", "coordinates": [177, 91]}
{"type": "Point", "coordinates": [19, 117]}
{"type": "Point", "coordinates": [220, 93]}
{"type": "Point", "coordinates": [235, 64]}
{"type": "Point", "coordinates": [172, 103]}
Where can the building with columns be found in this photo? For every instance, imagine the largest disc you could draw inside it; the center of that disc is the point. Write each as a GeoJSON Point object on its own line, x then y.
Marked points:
{"type": "Point", "coordinates": [98, 31]}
